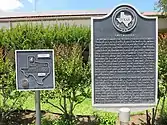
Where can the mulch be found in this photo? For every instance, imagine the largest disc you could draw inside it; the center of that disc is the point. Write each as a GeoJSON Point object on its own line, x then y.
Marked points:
{"type": "Point", "coordinates": [26, 117]}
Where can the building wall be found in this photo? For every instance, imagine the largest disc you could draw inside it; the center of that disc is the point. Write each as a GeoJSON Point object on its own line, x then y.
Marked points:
{"type": "Point", "coordinates": [67, 18]}
{"type": "Point", "coordinates": [84, 22]}
{"type": "Point", "coordinates": [4, 24]}
{"type": "Point", "coordinates": [162, 23]}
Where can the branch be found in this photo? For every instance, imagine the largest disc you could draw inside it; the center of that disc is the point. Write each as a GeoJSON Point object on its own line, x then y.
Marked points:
{"type": "Point", "coordinates": [13, 105]}
{"type": "Point", "coordinates": [55, 106]}
{"type": "Point", "coordinates": [78, 103]}
{"type": "Point", "coordinates": [65, 104]}
{"type": "Point", "coordinates": [60, 103]}
{"type": "Point", "coordinates": [71, 107]}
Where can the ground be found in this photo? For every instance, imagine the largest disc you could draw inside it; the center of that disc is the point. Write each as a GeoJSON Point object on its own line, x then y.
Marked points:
{"type": "Point", "coordinates": [28, 116]}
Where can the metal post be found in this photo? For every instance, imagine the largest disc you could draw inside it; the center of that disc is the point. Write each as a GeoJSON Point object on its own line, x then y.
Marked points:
{"type": "Point", "coordinates": [124, 116]}
{"type": "Point", "coordinates": [37, 107]}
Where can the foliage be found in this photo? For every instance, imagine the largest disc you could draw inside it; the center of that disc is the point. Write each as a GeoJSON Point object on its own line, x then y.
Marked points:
{"type": "Point", "coordinates": [48, 121]}
{"type": "Point", "coordinates": [64, 121]}
{"type": "Point", "coordinates": [162, 67]}
{"type": "Point", "coordinates": [161, 5]}
{"type": "Point", "coordinates": [71, 74]}
{"type": "Point", "coordinates": [10, 98]}
{"type": "Point", "coordinates": [31, 36]}
{"type": "Point", "coordinates": [105, 118]}
{"type": "Point", "coordinates": [162, 75]}
{"type": "Point", "coordinates": [162, 119]}
{"type": "Point", "coordinates": [72, 80]}
{"type": "Point", "coordinates": [51, 121]}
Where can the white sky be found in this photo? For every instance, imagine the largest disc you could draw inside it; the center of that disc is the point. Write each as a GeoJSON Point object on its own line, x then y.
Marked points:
{"type": "Point", "coordinates": [10, 5]}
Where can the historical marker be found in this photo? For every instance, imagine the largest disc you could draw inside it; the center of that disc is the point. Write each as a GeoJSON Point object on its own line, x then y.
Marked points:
{"type": "Point", "coordinates": [124, 59]}
{"type": "Point", "coordinates": [34, 69]}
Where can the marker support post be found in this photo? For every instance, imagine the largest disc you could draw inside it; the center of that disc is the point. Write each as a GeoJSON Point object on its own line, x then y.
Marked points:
{"type": "Point", "coordinates": [38, 107]}
{"type": "Point", "coordinates": [124, 116]}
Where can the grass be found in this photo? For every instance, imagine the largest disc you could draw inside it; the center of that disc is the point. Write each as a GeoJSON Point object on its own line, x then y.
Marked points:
{"type": "Point", "coordinates": [85, 108]}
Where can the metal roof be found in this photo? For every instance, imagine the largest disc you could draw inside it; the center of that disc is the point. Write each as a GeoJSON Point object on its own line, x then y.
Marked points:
{"type": "Point", "coordinates": [4, 15]}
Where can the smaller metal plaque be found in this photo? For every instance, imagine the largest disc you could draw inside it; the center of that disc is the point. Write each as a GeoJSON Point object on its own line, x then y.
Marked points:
{"type": "Point", "coordinates": [34, 69]}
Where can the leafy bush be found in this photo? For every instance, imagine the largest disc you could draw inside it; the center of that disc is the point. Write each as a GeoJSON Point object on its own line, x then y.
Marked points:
{"type": "Point", "coordinates": [51, 121]}
{"type": "Point", "coordinates": [72, 75]}
{"type": "Point", "coordinates": [72, 80]}
{"type": "Point", "coordinates": [10, 98]}
{"type": "Point", "coordinates": [30, 36]}
{"type": "Point", "coordinates": [105, 118]}
{"type": "Point", "coordinates": [162, 76]}
{"type": "Point", "coordinates": [46, 121]}
{"type": "Point", "coordinates": [162, 67]}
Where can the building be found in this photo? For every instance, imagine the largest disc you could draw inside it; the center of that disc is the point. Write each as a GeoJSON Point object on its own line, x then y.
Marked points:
{"type": "Point", "coordinates": [10, 19]}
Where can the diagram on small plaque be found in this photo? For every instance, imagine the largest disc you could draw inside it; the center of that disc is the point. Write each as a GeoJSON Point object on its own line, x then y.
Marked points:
{"type": "Point", "coordinates": [38, 70]}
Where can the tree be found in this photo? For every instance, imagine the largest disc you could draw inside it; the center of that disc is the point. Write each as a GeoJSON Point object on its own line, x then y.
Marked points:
{"type": "Point", "coordinates": [11, 99]}
{"type": "Point", "coordinates": [162, 69]}
{"type": "Point", "coordinates": [161, 5]}
{"type": "Point", "coordinates": [72, 81]}
{"type": "Point", "coordinates": [72, 75]}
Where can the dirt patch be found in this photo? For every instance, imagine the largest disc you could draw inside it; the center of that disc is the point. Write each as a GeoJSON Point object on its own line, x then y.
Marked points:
{"type": "Point", "coordinates": [28, 117]}
{"type": "Point", "coordinates": [138, 119]}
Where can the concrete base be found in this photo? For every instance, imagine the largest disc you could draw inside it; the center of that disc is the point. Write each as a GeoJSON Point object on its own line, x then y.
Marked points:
{"type": "Point", "coordinates": [124, 116]}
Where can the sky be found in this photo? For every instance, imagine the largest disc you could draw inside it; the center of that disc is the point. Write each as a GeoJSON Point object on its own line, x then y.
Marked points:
{"type": "Point", "coordinates": [51, 5]}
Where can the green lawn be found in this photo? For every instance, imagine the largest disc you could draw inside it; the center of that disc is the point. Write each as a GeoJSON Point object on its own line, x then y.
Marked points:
{"type": "Point", "coordinates": [85, 108]}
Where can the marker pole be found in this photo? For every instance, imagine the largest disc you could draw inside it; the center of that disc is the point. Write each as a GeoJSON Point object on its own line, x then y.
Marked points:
{"type": "Point", "coordinates": [38, 107]}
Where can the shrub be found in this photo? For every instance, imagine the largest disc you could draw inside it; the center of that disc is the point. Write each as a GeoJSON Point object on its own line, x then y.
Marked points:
{"type": "Point", "coordinates": [10, 98]}
{"type": "Point", "coordinates": [72, 75]}
{"type": "Point", "coordinates": [30, 36]}
{"type": "Point", "coordinates": [105, 118]}
{"type": "Point", "coordinates": [72, 80]}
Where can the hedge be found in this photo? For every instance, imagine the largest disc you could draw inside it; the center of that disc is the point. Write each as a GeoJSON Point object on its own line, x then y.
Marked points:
{"type": "Point", "coordinates": [30, 36]}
